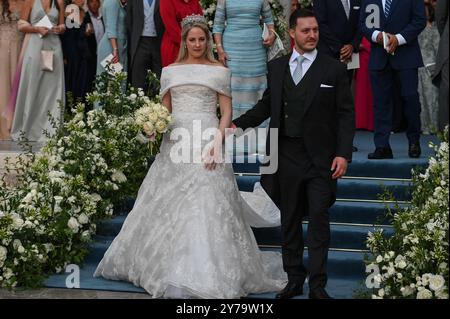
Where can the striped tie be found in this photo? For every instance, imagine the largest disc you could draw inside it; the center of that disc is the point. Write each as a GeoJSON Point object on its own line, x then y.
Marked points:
{"type": "Point", "coordinates": [346, 7]}
{"type": "Point", "coordinates": [387, 8]}
{"type": "Point", "coordinates": [298, 72]}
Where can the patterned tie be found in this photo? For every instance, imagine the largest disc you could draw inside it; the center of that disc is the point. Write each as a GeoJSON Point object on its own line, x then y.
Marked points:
{"type": "Point", "coordinates": [150, 2]}
{"type": "Point", "coordinates": [387, 8]}
{"type": "Point", "coordinates": [346, 7]}
{"type": "Point", "coordinates": [298, 72]}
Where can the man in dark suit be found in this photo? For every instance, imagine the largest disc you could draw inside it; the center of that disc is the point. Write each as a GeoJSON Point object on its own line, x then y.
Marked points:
{"type": "Point", "coordinates": [310, 104]}
{"type": "Point", "coordinates": [145, 30]}
{"type": "Point", "coordinates": [339, 27]}
{"type": "Point", "coordinates": [340, 36]}
{"type": "Point", "coordinates": [402, 21]}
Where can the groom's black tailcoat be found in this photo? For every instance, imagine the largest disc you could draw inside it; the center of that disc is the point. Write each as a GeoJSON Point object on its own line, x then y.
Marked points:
{"type": "Point", "coordinates": [316, 124]}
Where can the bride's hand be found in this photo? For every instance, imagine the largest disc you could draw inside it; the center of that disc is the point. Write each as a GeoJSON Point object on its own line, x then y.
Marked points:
{"type": "Point", "coordinates": [212, 159]}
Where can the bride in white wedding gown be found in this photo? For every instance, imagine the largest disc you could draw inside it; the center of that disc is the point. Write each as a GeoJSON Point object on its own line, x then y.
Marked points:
{"type": "Point", "coordinates": [189, 235]}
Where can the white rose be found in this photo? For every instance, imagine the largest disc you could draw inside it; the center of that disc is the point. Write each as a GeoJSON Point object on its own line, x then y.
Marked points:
{"type": "Point", "coordinates": [407, 291]}
{"type": "Point", "coordinates": [118, 176]}
{"type": "Point", "coordinates": [441, 294]}
{"type": "Point", "coordinates": [83, 219]}
{"type": "Point", "coordinates": [148, 128]}
{"type": "Point", "coordinates": [381, 292]}
{"type": "Point", "coordinates": [379, 259]}
{"type": "Point", "coordinates": [161, 126]}
{"type": "Point", "coordinates": [153, 117]}
{"type": "Point", "coordinates": [17, 223]}
{"type": "Point", "coordinates": [391, 271]}
{"type": "Point", "coordinates": [436, 282]}
{"type": "Point", "coordinates": [96, 197]}
{"type": "Point", "coordinates": [21, 250]}
{"type": "Point", "coordinates": [17, 243]}
{"type": "Point", "coordinates": [424, 294]}
{"type": "Point", "coordinates": [402, 264]}
{"type": "Point", "coordinates": [73, 224]}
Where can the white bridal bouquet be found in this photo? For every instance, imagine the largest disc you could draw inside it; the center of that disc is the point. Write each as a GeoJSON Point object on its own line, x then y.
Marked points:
{"type": "Point", "coordinates": [154, 120]}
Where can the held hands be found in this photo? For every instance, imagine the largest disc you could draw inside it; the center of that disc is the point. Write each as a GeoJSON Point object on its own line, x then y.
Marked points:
{"type": "Point", "coordinates": [339, 167]}
{"type": "Point", "coordinates": [392, 44]}
{"type": "Point", "coordinates": [346, 53]}
{"type": "Point", "coordinates": [42, 31]}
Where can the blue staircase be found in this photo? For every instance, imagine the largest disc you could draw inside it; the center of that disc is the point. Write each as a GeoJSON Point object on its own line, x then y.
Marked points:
{"type": "Point", "coordinates": [357, 211]}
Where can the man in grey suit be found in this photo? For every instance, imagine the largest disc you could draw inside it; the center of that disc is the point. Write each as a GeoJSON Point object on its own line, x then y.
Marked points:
{"type": "Point", "coordinates": [441, 71]}
{"type": "Point", "coordinates": [145, 30]}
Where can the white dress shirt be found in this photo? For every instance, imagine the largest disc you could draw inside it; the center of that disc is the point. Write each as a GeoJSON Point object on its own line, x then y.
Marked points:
{"type": "Point", "coordinates": [400, 38]}
{"type": "Point", "coordinates": [307, 62]}
{"type": "Point", "coordinates": [97, 24]}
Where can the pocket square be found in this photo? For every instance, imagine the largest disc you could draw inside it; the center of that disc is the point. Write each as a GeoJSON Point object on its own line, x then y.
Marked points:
{"type": "Point", "coordinates": [356, 8]}
{"type": "Point", "coordinates": [326, 86]}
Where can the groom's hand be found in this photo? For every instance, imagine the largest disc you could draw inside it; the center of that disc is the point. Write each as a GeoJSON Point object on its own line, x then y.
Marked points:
{"type": "Point", "coordinates": [339, 167]}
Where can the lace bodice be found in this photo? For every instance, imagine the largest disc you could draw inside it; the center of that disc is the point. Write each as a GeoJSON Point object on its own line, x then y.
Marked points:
{"type": "Point", "coordinates": [194, 87]}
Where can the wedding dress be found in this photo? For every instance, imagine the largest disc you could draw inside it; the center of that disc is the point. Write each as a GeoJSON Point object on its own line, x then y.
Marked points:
{"type": "Point", "coordinates": [188, 234]}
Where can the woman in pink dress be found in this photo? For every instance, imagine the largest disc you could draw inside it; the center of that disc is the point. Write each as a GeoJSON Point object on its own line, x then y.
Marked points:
{"type": "Point", "coordinates": [363, 90]}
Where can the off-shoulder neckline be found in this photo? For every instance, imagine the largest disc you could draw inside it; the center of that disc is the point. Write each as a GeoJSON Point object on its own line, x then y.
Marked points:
{"type": "Point", "coordinates": [197, 64]}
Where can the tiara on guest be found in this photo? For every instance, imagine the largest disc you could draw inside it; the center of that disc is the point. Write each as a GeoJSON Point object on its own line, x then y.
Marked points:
{"type": "Point", "coordinates": [195, 18]}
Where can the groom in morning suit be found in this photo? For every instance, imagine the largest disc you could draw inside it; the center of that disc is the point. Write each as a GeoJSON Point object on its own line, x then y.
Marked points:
{"type": "Point", "coordinates": [309, 101]}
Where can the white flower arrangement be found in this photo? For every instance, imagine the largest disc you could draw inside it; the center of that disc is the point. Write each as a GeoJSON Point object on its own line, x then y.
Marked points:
{"type": "Point", "coordinates": [49, 216]}
{"type": "Point", "coordinates": [412, 263]}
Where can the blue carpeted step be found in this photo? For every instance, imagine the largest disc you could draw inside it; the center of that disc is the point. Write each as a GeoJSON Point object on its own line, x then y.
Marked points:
{"type": "Point", "coordinates": [399, 167]}
{"type": "Point", "coordinates": [341, 212]}
{"type": "Point", "coordinates": [342, 236]}
{"type": "Point", "coordinates": [345, 270]}
{"type": "Point", "coordinates": [350, 188]}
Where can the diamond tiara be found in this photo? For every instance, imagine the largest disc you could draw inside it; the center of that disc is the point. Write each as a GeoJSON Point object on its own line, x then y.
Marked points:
{"type": "Point", "coordinates": [195, 18]}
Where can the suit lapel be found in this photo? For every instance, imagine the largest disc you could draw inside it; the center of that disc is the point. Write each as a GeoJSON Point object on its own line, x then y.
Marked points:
{"type": "Point", "coordinates": [277, 80]}
{"type": "Point", "coordinates": [140, 10]}
{"type": "Point", "coordinates": [342, 10]}
{"type": "Point", "coordinates": [156, 8]}
{"type": "Point", "coordinates": [318, 70]}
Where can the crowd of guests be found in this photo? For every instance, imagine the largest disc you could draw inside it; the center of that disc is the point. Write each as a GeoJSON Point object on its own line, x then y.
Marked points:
{"type": "Point", "coordinates": [405, 89]}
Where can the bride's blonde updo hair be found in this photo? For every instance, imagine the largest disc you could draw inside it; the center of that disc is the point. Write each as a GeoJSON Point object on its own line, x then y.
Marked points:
{"type": "Point", "coordinates": [187, 24]}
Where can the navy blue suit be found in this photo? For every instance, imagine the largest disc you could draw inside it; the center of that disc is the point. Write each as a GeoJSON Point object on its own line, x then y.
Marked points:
{"type": "Point", "coordinates": [335, 29]}
{"type": "Point", "coordinates": [407, 18]}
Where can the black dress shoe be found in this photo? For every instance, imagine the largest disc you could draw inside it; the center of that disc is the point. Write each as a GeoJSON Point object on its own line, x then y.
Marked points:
{"type": "Point", "coordinates": [292, 289]}
{"type": "Point", "coordinates": [354, 149]}
{"type": "Point", "coordinates": [319, 293]}
{"type": "Point", "coordinates": [414, 150]}
{"type": "Point", "coordinates": [381, 153]}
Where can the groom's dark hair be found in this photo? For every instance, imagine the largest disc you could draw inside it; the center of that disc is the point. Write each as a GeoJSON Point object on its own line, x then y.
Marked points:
{"type": "Point", "coordinates": [300, 13]}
